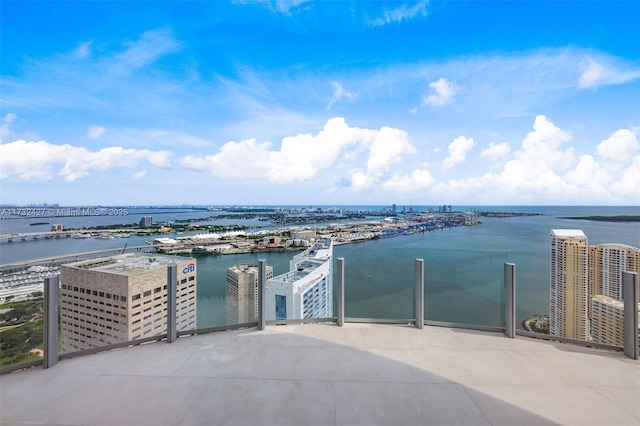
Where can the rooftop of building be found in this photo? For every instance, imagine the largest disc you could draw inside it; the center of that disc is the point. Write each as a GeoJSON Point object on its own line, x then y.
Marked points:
{"type": "Point", "coordinates": [568, 233]}
{"type": "Point", "coordinates": [610, 301]}
{"type": "Point", "coordinates": [244, 268]}
{"type": "Point", "coordinates": [321, 248]}
{"type": "Point", "coordinates": [129, 263]}
{"type": "Point", "coordinates": [359, 374]}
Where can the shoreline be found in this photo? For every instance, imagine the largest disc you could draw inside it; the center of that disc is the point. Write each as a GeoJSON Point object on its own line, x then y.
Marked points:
{"type": "Point", "coordinates": [621, 218]}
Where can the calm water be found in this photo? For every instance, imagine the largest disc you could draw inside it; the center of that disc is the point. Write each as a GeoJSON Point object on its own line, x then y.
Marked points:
{"type": "Point", "coordinates": [463, 266]}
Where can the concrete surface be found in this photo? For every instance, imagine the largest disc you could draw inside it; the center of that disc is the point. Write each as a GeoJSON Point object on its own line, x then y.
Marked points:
{"type": "Point", "coordinates": [360, 374]}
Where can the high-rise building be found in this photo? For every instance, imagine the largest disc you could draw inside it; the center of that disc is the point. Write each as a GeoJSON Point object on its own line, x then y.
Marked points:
{"type": "Point", "coordinates": [146, 221]}
{"type": "Point", "coordinates": [569, 289]}
{"type": "Point", "coordinates": [607, 262]}
{"type": "Point", "coordinates": [306, 291]}
{"type": "Point", "coordinates": [242, 292]}
{"type": "Point", "coordinates": [122, 298]}
{"type": "Point", "coordinates": [607, 320]}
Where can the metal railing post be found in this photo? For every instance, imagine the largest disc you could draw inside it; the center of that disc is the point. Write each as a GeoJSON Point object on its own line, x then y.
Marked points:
{"type": "Point", "coordinates": [510, 300]}
{"type": "Point", "coordinates": [419, 292]}
{"type": "Point", "coordinates": [262, 284]}
{"type": "Point", "coordinates": [630, 299]}
{"type": "Point", "coordinates": [340, 307]}
{"type": "Point", "coordinates": [51, 306]}
{"type": "Point", "coordinates": [172, 305]}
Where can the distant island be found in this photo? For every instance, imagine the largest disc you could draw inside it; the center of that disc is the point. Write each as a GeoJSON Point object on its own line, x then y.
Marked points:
{"type": "Point", "coordinates": [507, 214]}
{"type": "Point", "coordinates": [606, 218]}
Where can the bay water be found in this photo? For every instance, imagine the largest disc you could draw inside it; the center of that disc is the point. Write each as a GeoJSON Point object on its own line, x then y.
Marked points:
{"type": "Point", "coordinates": [463, 265]}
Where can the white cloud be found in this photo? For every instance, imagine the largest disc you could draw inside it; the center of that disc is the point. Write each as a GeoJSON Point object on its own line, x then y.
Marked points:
{"type": "Point", "coordinates": [139, 175]}
{"type": "Point", "coordinates": [442, 91]}
{"type": "Point", "coordinates": [542, 169]}
{"type": "Point", "coordinates": [299, 158]}
{"type": "Point", "coordinates": [627, 187]}
{"type": "Point", "coordinates": [458, 151]}
{"type": "Point", "coordinates": [402, 13]}
{"type": "Point", "coordinates": [619, 148]}
{"type": "Point", "coordinates": [388, 146]}
{"type": "Point", "coordinates": [360, 181]}
{"type": "Point", "coordinates": [496, 150]}
{"type": "Point", "coordinates": [588, 175]}
{"type": "Point", "coordinates": [419, 179]}
{"type": "Point", "coordinates": [150, 46]}
{"type": "Point", "coordinates": [541, 148]}
{"type": "Point", "coordinates": [605, 71]}
{"type": "Point", "coordinates": [95, 132]}
{"type": "Point", "coordinates": [44, 161]}
{"type": "Point", "coordinates": [302, 157]}
{"type": "Point", "coordinates": [339, 92]}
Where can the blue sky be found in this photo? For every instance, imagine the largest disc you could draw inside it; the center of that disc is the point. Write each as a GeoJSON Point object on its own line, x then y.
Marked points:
{"type": "Point", "coordinates": [320, 103]}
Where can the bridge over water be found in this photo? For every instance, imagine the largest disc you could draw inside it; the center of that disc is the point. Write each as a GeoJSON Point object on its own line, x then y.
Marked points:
{"type": "Point", "coordinates": [67, 258]}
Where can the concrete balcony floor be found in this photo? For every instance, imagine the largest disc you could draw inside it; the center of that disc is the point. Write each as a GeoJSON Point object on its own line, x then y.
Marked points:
{"type": "Point", "coordinates": [361, 374]}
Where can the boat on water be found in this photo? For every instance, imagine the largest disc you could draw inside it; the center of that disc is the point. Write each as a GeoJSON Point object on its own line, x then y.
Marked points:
{"type": "Point", "coordinates": [104, 237]}
{"type": "Point", "coordinates": [79, 235]}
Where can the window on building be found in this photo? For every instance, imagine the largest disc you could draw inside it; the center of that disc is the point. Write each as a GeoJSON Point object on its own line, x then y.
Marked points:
{"type": "Point", "coordinates": [281, 307]}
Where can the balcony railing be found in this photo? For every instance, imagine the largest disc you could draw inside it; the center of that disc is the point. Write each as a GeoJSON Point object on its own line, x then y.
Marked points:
{"type": "Point", "coordinates": [424, 290]}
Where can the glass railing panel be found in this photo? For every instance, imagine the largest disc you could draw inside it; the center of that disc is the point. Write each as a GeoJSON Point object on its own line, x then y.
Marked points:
{"type": "Point", "coordinates": [112, 300]}
{"type": "Point", "coordinates": [464, 286]}
{"type": "Point", "coordinates": [227, 291]}
{"type": "Point", "coordinates": [21, 322]}
{"type": "Point", "coordinates": [379, 282]}
{"type": "Point", "coordinates": [553, 307]}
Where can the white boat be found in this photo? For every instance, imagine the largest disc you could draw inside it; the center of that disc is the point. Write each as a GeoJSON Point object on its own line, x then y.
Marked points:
{"type": "Point", "coordinates": [80, 235]}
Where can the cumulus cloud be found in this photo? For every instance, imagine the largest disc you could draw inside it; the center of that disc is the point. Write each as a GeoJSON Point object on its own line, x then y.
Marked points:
{"type": "Point", "coordinates": [302, 157]}
{"type": "Point", "coordinates": [543, 168]}
{"type": "Point", "coordinates": [419, 179]}
{"type": "Point", "coordinates": [496, 150]}
{"type": "Point", "coordinates": [603, 71]}
{"type": "Point", "coordinates": [339, 92]}
{"type": "Point", "coordinates": [628, 186]}
{"type": "Point", "coordinates": [402, 13]}
{"type": "Point", "coordinates": [95, 132]}
{"type": "Point", "coordinates": [44, 161]}
{"type": "Point", "coordinates": [388, 147]}
{"type": "Point", "coordinates": [541, 148]}
{"type": "Point", "coordinates": [458, 151]}
{"type": "Point", "coordinates": [442, 91]}
{"type": "Point", "coordinates": [619, 148]}
{"type": "Point", "coordinates": [588, 175]}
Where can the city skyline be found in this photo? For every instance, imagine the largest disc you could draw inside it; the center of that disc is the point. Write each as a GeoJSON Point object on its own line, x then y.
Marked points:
{"type": "Point", "coordinates": [296, 102]}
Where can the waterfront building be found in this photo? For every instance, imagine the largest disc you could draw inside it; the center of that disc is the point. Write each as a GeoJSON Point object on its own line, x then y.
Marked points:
{"type": "Point", "coordinates": [569, 290]}
{"type": "Point", "coordinates": [306, 291]}
{"type": "Point", "coordinates": [607, 320]}
{"type": "Point", "coordinates": [242, 292]}
{"type": "Point", "coordinates": [122, 298]}
{"type": "Point", "coordinates": [606, 264]}
{"type": "Point", "coordinates": [146, 221]}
